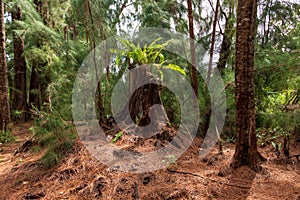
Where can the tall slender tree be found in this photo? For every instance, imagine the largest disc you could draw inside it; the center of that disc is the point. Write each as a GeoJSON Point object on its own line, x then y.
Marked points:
{"type": "Point", "coordinates": [246, 148]}
{"type": "Point", "coordinates": [207, 113]}
{"type": "Point", "coordinates": [213, 41]}
{"type": "Point", "coordinates": [39, 96]}
{"type": "Point", "coordinates": [4, 104]}
{"type": "Point", "coordinates": [20, 94]}
{"type": "Point", "coordinates": [45, 78]}
{"type": "Point", "coordinates": [100, 106]}
{"type": "Point", "coordinates": [193, 69]}
{"type": "Point", "coordinates": [227, 38]}
{"type": "Point", "coordinates": [34, 96]}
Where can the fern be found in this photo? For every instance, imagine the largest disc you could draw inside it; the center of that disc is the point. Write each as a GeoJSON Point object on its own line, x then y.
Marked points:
{"type": "Point", "coordinates": [175, 68]}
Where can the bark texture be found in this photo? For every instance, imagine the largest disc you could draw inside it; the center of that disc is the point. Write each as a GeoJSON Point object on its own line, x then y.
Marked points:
{"type": "Point", "coordinates": [193, 69]}
{"type": "Point", "coordinates": [40, 79]}
{"type": "Point", "coordinates": [143, 98]}
{"type": "Point", "coordinates": [144, 93]}
{"type": "Point", "coordinates": [227, 41]}
{"type": "Point", "coordinates": [246, 148]}
{"type": "Point", "coordinates": [34, 94]}
{"type": "Point", "coordinates": [4, 103]}
{"type": "Point", "coordinates": [20, 94]}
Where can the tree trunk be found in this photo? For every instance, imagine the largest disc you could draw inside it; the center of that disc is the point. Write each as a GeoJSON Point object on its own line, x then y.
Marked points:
{"type": "Point", "coordinates": [4, 103]}
{"type": "Point", "coordinates": [226, 42]}
{"type": "Point", "coordinates": [213, 41]}
{"type": "Point", "coordinates": [141, 101]}
{"type": "Point", "coordinates": [207, 113]}
{"type": "Point", "coordinates": [34, 89]}
{"type": "Point", "coordinates": [20, 93]}
{"type": "Point", "coordinates": [143, 98]}
{"type": "Point", "coordinates": [246, 148]}
{"type": "Point", "coordinates": [41, 101]}
{"type": "Point", "coordinates": [193, 68]}
{"type": "Point", "coordinates": [99, 98]}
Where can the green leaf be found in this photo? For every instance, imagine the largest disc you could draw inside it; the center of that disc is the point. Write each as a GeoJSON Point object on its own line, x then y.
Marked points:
{"type": "Point", "coordinates": [175, 68]}
{"type": "Point", "coordinates": [118, 60]}
{"type": "Point", "coordinates": [274, 145]}
{"type": "Point", "coordinates": [117, 137]}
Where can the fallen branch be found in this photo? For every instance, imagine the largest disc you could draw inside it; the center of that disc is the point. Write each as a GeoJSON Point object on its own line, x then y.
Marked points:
{"type": "Point", "coordinates": [24, 146]}
{"type": "Point", "coordinates": [213, 180]}
{"type": "Point", "coordinates": [295, 156]}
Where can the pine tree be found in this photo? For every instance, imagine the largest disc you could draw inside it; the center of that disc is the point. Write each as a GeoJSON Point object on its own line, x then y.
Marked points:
{"type": "Point", "coordinates": [20, 93]}
{"type": "Point", "coordinates": [4, 104]}
{"type": "Point", "coordinates": [246, 148]}
{"type": "Point", "coordinates": [194, 77]}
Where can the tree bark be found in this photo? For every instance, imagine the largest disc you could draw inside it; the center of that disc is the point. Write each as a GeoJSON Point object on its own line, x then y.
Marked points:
{"type": "Point", "coordinates": [20, 93]}
{"type": "Point", "coordinates": [213, 41]}
{"type": "Point", "coordinates": [227, 41]}
{"type": "Point", "coordinates": [4, 103]}
{"type": "Point", "coordinates": [193, 68]}
{"type": "Point", "coordinates": [141, 101]}
{"type": "Point", "coordinates": [34, 89]}
{"type": "Point", "coordinates": [246, 148]}
{"type": "Point", "coordinates": [207, 113]}
{"type": "Point", "coordinates": [40, 75]}
{"type": "Point", "coordinates": [99, 98]}
{"type": "Point", "coordinates": [143, 98]}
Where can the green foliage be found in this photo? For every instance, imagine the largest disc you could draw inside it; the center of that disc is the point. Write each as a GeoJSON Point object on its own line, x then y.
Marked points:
{"type": "Point", "coordinates": [56, 152]}
{"type": "Point", "coordinates": [267, 136]}
{"type": "Point", "coordinates": [148, 54]}
{"type": "Point", "coordinates": [170, 162]}
{"type": "Point", "coordinates": [50, 159]}
{"type": "Point", "coordinates": [57, 44]}
{"type": "Point", "coordinates": [6, 137]}
{"type": "Point", "coordinates": [57, 148]}
{"type": "Point", "coordinates": [117, 137]}
{"type": "Point", "coordinates": [155, 55]}
{"type": "Point", "coordinates": [54, 134]}
{"type": "Point", "coordinates": [35, 149]}
{"type": "Point", "coordinates": [172, 107]}
{"type": "Point", "coordinates": [16, 114]}
{"type": "Point", "coordinates": [19, 162]}
{"type": "Point", "coordinates": [175, 68]}
{"type": "Point", "coordinates": [228, 133]}
{"type": "Point", "coordinates": [277, 71]}
{"type": "Point", "coordinates": [156, 13]}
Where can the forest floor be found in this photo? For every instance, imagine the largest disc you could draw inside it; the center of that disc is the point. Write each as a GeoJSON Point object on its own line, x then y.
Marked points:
{"type": "Point", "coordinates": [80, 176]}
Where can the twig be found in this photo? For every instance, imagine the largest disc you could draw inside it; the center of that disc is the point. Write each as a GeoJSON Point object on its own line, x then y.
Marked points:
{"type": "Point", "coordinates": [213, 9]}
{"type": "Point", "coordinates": [213, 180]}
{"type": "Point", "coordinates": [136, 191]}
{"type": "Point", "coordinates": [297, 156]}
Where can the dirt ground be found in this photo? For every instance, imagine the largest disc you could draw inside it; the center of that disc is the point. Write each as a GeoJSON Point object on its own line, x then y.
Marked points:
{"type": "Point", "coordinates": [80, 176]}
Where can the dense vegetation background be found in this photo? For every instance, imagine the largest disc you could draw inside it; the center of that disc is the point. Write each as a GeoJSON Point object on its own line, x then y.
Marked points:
{"type": "Point", "coordinates": [47, 41]}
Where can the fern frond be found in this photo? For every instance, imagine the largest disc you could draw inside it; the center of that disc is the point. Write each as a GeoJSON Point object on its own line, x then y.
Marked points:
{"type": "Point", "coordinates": [175, 68]}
